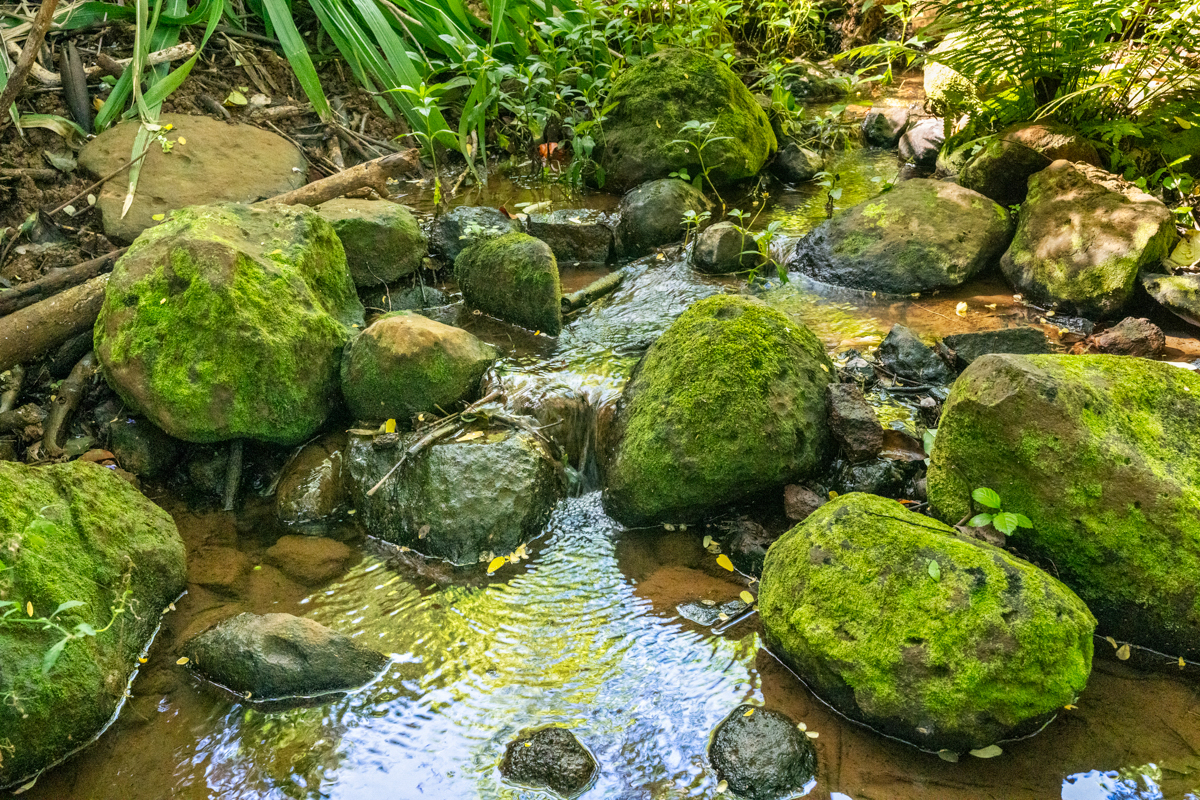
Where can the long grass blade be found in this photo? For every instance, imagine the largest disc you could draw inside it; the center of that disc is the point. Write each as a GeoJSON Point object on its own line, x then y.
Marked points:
{"type": "Point", "coordinates": [296, 53]}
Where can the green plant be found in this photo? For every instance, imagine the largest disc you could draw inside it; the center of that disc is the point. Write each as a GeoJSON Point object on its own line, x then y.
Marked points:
{"type": "Point", "coordinates": [833, 192]}
{"type": "Point", "coordinates": [691, 223]}
{"type": "Point", "coordinates": [1004, 521]}
{"type": "Point", "coordinates": [702, 137]}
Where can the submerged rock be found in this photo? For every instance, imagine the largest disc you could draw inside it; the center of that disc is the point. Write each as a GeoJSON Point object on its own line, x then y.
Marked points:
{"type": "Point", "coordinates": [853, 422]}
{"type": "Point", "coordinates": [730, 401]}
{"type": "Point", "coordinates": [462, 501]}
{"type": "Point", "coordinates": [75, 532]}
{"type": "Point", "coordinates": [945, 642]}
{"type": "Point", "coordinates": [576, 236]}
{"type": "Point", "coordinates": [1003, 167]}
{"type": "Point", "coordinates": [644, 136]}
{"type": "Point", "coordinates": [883, 127]}
{"type": "Point", "coordinates": [382, 239]}
{"type": "Point", "coordinates": [1179, 294]}
{"type": "Point", "coordinates": [551, 758]}
{"type": "Point", "coordinates": [1082, 238]}
{"type": "Point", "coordinates": [461, 227]}
{"type": "Point", "coordinates": [762, 755]}
{"type": "Point", "coordinates": [796, 164]}
{"type": "Point", "coordinates": [141, 447]}
{"type": "Point", "coordinates": [513, 277]}
{"type": "Point", "coordinates": [312, 560]}
{"type": "Point", "coordinates": [312, 488]}
{"type": "Point", "coordinates": [278, 656]}
{"type": "Point", "coordinates": [921, 235]}
{"type": "Point", "coordinates": [405, 364]}
{"type": "Point", "coordinates": [1101, 453]}
{"type": "Point", "coordinates": [653, 214]}
{"type": "Point", "coordinates": [1022, 341]}
{"type": "Point", "coordinates": [228, 322]}
{"type": "Point", "coordinates": [207, 163]}
{"type": "Point", "coordinates": [903, 353]}
{"type": "Point", "coordinates": [724, 248]}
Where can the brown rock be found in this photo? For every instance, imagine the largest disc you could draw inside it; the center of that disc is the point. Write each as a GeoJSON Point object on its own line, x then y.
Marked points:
{"type": "Point", "coordinates": [311, 489]}
{"type": "Point", "coordinates": [1129, 337]}
{"type": "Point", "coordinates": [311, 559]}
{"type": "Point", "coordinates": [800, 501]}
{"type": "Point", "coordinates": [217, 568]}
{"type": "Point", "coordinates": [853, 422]}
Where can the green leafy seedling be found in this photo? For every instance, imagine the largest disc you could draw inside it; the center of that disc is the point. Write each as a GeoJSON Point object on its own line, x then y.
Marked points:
{"type": "Point", "coordinates": [1004, 521]}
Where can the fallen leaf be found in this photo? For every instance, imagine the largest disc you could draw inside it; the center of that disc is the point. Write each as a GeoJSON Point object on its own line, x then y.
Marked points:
{"type": "Point", "coordinates": [802, 726]}
{"type": "Point", "coordinates": [1123, 652]}
{"type": "Point", "coordinates": [948, 755]}
{"type": "Point", "coordinates": [182, 140]}
{"type": "Point", "coordinates": [991, 751]}
{"type": "Point", "coordinates": [1111, 641]}
{"type": "Point", "coordinates": [158, 217]}
{"type": "Point", "coordinates": [142, 659]}
{"type": "Point", "coordinates": [182, 661]}
{"type": "Point", "coordinates": [466, 437]}
{"type": "Point", "coordinates": [496, 563]}
{"type": "Point", "coordinates": [747, 598]}
{"type": "Point", "coordinates": [723, 561]}
{"type": "Point", "coordinates": [1070, 707]}
{"type": "Point", "coordinates": [389, 426]}
{"type": "Point", "coordinates": [1182, 663]}
{"type": "Point", "coordinates": [423, 532]}
{"type": "Point", "coordinates": [722, 787]}
{"type": "Point", "coordinates": [668, 526]}
{"type": "Point", "coordinates": [748, 713]}
{"type": "Point", "coordinates": [811, 734]}
{"type": "Point", "coordinates": [961, 309]}
{"type": "Point", "coordinates": [707, 541]}
{"type": "Point", "coordinates": [723, 616]}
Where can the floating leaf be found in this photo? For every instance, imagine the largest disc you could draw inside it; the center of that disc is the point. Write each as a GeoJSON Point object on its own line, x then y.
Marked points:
{"type": "Point", "coordinates": [961, 309]}
{"type": "Point", "coordinates": [748, 713]}
{"type": "Point", "coordinates": [142, 659]}
{"type": "Point", "coordinates": [948, 755]}
{"type": "Point", "coordinates": [1123, 652]}
{"type": "Point", "coordinates": [1182, 663]}
{"type": "Point", "coordinates": [183, 660]}
{"type": "Point", "coordinates": [707, 541]}
{"type": "Point", "coordinates": [722, 560]}
{"type": "Point", "coordinates": [389, 426]}
{"type": "Point", "coordinates": [747, 598]}
{"type": "Point", "coordinates": [986, 497]}
{"type": "Point", "coordinates": [811, 734]}
{"type": "Point", "coordinates": [991, 751]}
{"type": "Point", "coordinates": [723, 786]}
{"type": "Point", "coordinates": [935, 571]}
{"type": "Point", "coordinates": [496, 563]}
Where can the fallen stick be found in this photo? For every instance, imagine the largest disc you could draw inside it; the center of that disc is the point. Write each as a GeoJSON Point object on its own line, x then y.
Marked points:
{"type": "Point", "coordinates": [233, 475]}
{"type": "Point", "coordinates": [12, 388]}
{"type": "Point", "coordinates": [29, 333]}
{"type": "Point", "coordinates": [22, 417]}
{"type": "Point", "coordinates": [37, 173]}
{"type": "Point", "coordinates": [35, 291]}
{"type": "Point", "coordinates": [372, 174]}
{"type": "Point", "coordinates": [593, 291]}
{"type": "Point", "coordinates": [70, 392]}
{"type": "Point", "coordinates": [48, 78]}
{"type": "Point", "coordinates": [99, 183]}
{"type": "Point", "coordinates": [16, 80]}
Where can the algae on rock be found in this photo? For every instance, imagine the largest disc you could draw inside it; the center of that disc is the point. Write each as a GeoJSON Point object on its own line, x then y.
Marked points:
{"type": "Point", "coordinates": [513, 277]}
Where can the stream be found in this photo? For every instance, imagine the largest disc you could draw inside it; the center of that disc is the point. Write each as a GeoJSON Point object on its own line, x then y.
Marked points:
{"type": "Point", "coordinates": [587, 633]}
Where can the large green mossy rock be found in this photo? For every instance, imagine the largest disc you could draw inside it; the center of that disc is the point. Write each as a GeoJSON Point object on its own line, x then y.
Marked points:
{"type": "Point", "coordinates": [382, 239]}
{"type": "Point", "coordinates": [404, 364]}
{"type": "Point", "coordinates": [513, 277]}
{"type": "Point", "coordinates": [651, 101]}
{"type": "Point", "coordinates": [729, 402]}
{"type": "Point", "coordinates": [1002, 167]}
{"type": "Point", "coordinates": [1102, 454]}
{"type": "Point", "coordinates": [921, 235]}
{"type": "Point", "coordinates": [945, 642]}
{"type": "Point", "coordinates": [75, 532]}
{"type": "Point", "coordinates": [229, 321]}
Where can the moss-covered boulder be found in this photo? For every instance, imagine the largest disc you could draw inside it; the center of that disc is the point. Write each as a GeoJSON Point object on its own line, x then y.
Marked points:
{"type": "Point", "coordinates": [1002, 168]}
{"type": "Point", "coordinates": [74, 532]}
{"type": "Point", "coordinates": [729, 402]}
{"type": "Point", "coordinates": [921, 235]}
{"type": "Point", "coordinates": [1082, 238]}
{"type": "Point", "coordinates": [463, 500]}
{"type": "Point", "coordinates": [1179, 294]}
{"type": "Point", "coordinates": [513, 277]}
{"type": "Point", "coordinates": [383, 240]}
{"type": "Point", "coordinates": [404, 364]}
{"type": "Point", "coordinates": [1101, 453]}
{"type": "Point", "coordinates": [945, 642]}
{"type": "Point", "coordinates": [644, 134]}
{"type": "Point", "coordinates": [653, 215]}
{"type": "Point", "coordinates": [228, 321]}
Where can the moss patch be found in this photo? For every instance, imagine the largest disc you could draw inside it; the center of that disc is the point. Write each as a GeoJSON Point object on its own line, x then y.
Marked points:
{"type": "Point", "coordinates": [513, 277]}
{"type": "Point", "coordinates": [981, 647]}
{"type": "Point", "coordinates": [728, 402]}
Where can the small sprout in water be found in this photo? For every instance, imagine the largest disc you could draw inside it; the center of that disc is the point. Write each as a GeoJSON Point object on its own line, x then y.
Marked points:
{"type": "Point", "coordinates": [948, 755]}
{"type": "Point", "coordinates": [183, 660]}
{"type": "Point", "coordinates": [722, 560]}
{"type": "Point", "coordinates": [747, 598]}
{"type": "Point", "coordinates": [991, 751]}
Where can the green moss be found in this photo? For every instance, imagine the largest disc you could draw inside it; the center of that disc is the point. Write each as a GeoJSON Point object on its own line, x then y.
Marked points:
{"type": "Point", "coordinates": [75, 531]}
{"type": "Point", "coordinates": [988, 647]}
{"type": "Point", "coordinates": [1101, 453]}
{"type": "Point", "coordinates": [729, 401]}
{"type": "Point", "coordinates": [228, 322]}
{"type": "Point", "coordinates": [654, 98]}
{"type": "Point", "coordinates": [513, 277]}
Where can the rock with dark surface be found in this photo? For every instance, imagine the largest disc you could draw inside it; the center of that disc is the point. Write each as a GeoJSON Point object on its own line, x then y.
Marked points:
{"type": "Point", "coordinates": [382, 239]}
{"type": "Point", "coordinates": [228, 322]}
{"type": "Point", "coordinates": [921, 235]}
{"type": "Point", "coordinates": [652, 215]}
{"type": "Point", "coordinates": [1021, 341]}
{"type": "Point", "coordinates": [1101, 453]}
{"type": "Point", "coordinates": [312, 560]}
{"type": "Point", "coordinates": [576, 236]}
{"type": "Point", "coordinates": [883, 127]}
{"type": "Point", "coordinates": [461, 227]}
{"type": "Point", "coordinates": [462, 501]}
{"type": "Point", "coordinates": [879, 476]}
{"type": "Point", "coordinates": [945, 642]}
{"type": "Point", "coordinates": [853, 422]}
{"type": "Point", "coordinates": [1129, 337]}
{"type": "Point", "coordinates": [1082, 238]}
{"type": "Point", "coordinates": [75, 532]}
{"type": "Point", "coordinates": [418, 298]}
{"type": "Point", "coordinates": [800, 501]}
{"type": "Point", "coordinates": [1179, 294]}
{"type": "Point", "coordinates": [405, 364]}
{"type": "Point", "coordinates": [922, 142]}
{"type": "Point", "coordinates": [551, 758]}
{"type": "Point", "coordinates": [729, 402]}
{"type": "Point", "coordinates": [903, 353]}
{"type": "Point", "coordinates": [513, 277]}
{"type": "Point", "coordinates": [277, 656]}
{"type": "Point", "coordinates": [312, 487]}
{"type": "Point", "coordinates": [724, 248]}
{"type": "Point", "coordinates": [761, 754]}
{"type": "Point", "coordinates": [141, 447]}
{"type": "Point", "coordinates": [1003, 167]}
{"type": "Point", "coordinates": [796, 164]}
{"type": "Point", "coordinates": [748, 545]}
{"type": "Point", "coordinates": [644, 137]}
{"type": "Point", "coordinates": [206, 164]}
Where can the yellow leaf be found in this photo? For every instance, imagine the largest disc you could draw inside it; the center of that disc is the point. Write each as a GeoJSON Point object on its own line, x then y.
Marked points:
{"type": "Point", "coordinates": [659, 124]}
{"type": "Point", "coordinates": [158, 217]}
{"type": "Point", "coordinates": [182, 140]}
{"type": "Point", "coordinates": [722, 787]}
{"type": "Point", "coordinates": [833, 495]}
{"type": "Point", "coordinates": [1111, 641]}
{"type": "Point", "coordinates": [168, 127]}
{"type": "Point", "coordinates": [802, 726]}
{"type": "Point", "coordinates": [1182, 663]}
{"type": "Point", "coordinates": [723, 561]}
{"type": "Point", "coordinates": [29, 607]}
{"type": "Point", "coordinates": [142, 659]}
{"type": "Point", "coordinates": [97, 103]}
{"type": "Point", "coordinates": [1123, 652]}
{"type": "Point", "coordinates": [825, 368]}
{"type": "Point", "coordinates": [496, 563]}
{"type": "Point", "coordinates": [182, 661]}
{"type": "Point", "coordinates": [389, 426]}
{"type": "Point", "coordinates": [747, 598]}
{"type": "Point", "coordinates": [748, 713]}
{"type": "Point", "coordinates": [961, 309]}
{"type": "Point", "coordinates": [466, 437]}
{"type": "Point", "coordinates": [1183, 123]}
{"type": "Point", "coordinates": [811, 734]}
{"type": "Point", "coordinates": [1070, 707]}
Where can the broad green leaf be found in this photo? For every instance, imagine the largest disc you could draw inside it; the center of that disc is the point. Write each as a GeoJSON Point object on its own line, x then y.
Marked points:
{"type": "Point", "coordinates": [935, 571]}
{"type": "Point", "coordinates": [1005, 522]}
{"type": "Point", "coordinates": [979, 520]}
{"type": "Point", "coordinates": [1023, 521]}
{"type": "Point", "coordinates": [986, 497]}
{"type": "Point", "coordinates": [991, 751]}
{"type": "Point", "coordinates": [67, 606]}
{"type": "Point", "coordinates": [51, 657]}
{"type": "Point", "coordinates": [85, 629]}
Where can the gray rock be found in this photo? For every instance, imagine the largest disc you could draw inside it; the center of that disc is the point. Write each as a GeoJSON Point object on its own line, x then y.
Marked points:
{"type": "Point", "coordinates": [463, 501]}
{"type": "Point", "coordinates": [903, 353]}
{"type": "Point", "coordinates": [800, 501]}
{"type": "Point", "coordinates": [383, 240]}
{"type": "Point", "coordinates": [217, 162]}
{"type": "Point", "coordinates": [1126, 231]}
{"type": "Point", "coordinates": [853, 422]}
{"type": "Point", "coordinates": [1001, 169]}
{"type": "Point", "coordinates": [710, 615]}
{"type": "Point", "coordinates": [277, 656]}
{"type": "Point", "coordinates": [762, 755]}
{"type": "Point", "coordinates": [515, 278]}
{"type": "Point", "coordinates": [883, 127]}
{"type": "Point", "coordinates": [141, 447]}
{"type": "Point", "coordinates": [1023, 340]}
{"type": "Point", "coordinates": [882, 477]}
{"type": "Point", "coordinates": [551, 758]}
{"type": "Point", "coordinates": [459, 228]}
{"type": "Point", "coordinates": [724, 248]}
{"type": "Point", "coordinates": [418, 298]}
{"type": "Point", "coordinates": [311, 488]}
{"type": "Point", "coordinates": [652, 215]}
{"type": "Point", "coordinates": [921, 235]}
{"type": "Point", "coordinates": [1179, 294]}
{"type": "Point", "coordinates": [922, 142]}
{"type": "Point", "coordinates": [577, 236]}
{"type": "Point", "coordinates": [796, 164]}
{"type": "Point", "coordinates": [1129, 337]}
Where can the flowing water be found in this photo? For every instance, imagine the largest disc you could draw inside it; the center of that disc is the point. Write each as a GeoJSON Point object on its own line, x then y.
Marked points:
{"type": "Point", "coordinates": [587, 632]}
